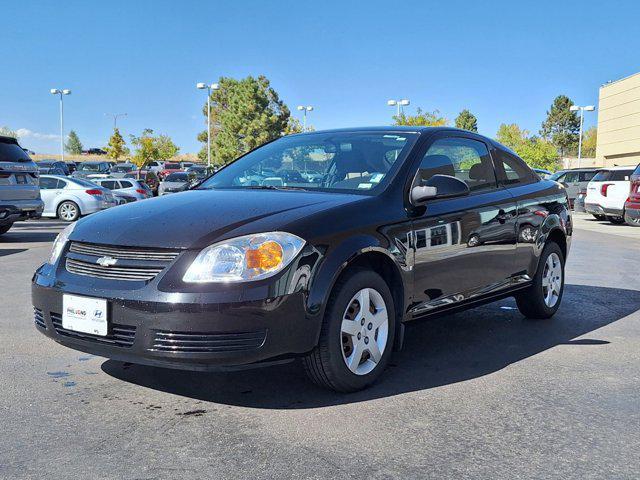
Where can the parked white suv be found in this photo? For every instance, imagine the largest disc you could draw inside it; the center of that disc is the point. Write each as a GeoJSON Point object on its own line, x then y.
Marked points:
{"type": "Point", "coordinates": [607, 192]}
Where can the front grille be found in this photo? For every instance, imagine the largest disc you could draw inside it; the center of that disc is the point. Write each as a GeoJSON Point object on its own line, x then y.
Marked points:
{"type": "Point", "coordinates": [115, 273]}
{"type": "Point", "coordinates": [207, 342]}
{"type": "Point", "coordinates": [119, 335]}
{"type": "Point", "coordinates": [38, 318]}
{"type": "Point", "coordinates": [129, 263]}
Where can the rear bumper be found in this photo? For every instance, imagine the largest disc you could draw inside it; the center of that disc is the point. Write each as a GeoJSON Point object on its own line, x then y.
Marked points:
{"type": "Point", "coordinates": [596, 209]}
{"type": "Point", "coordinates": [16, 210]}
{"type": "Point", "coordinates": [632, 210]}
{"type": "Point", "coordinates": [195, 333]}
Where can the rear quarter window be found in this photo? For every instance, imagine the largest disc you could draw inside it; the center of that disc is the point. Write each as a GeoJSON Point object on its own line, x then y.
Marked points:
{"type": "Point", "coordinates": [512, 169]}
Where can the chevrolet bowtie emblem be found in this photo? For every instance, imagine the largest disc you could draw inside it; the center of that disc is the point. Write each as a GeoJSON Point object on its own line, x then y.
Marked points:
{"type": "Point", "coordinates": [106, 261]}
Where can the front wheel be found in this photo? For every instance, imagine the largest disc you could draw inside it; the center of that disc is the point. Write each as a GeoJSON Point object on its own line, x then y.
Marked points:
{"type": "Point", "coordinates": [616, 220]}
{"type": "Point", "coordinates": [542, 299]}
{"type": "Point", "coordinates": [68, 211]}
{"type": "Point", "coordinates": [357, 334]}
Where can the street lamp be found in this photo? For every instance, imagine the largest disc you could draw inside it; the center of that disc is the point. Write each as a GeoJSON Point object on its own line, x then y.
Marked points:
{"type": "Point", "coordinates": [209, 88]}
{"type": "Point", "coordinates": [56, 91]}
{"type": "Point", "coordinates": [398, 104]}
{"type": "Point", "coordinates": [575, 108]}
{"type": "Point", "coordinates": [115, 118]}
{"type": "Point", "coordinates": [304, 109]}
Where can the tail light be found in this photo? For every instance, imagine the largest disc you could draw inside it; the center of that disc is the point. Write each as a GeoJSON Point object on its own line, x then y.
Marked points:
{"type": "Point", "coordinates": [583, 191]}
{"type": "Point", "coordinates": [141, 191]}
{"type": "Point", "coordinates": [604, 188]}
{"type": "Point", "coordinates": [94, 191]}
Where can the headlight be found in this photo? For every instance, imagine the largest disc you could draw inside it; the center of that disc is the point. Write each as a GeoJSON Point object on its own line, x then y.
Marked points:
{"type": "Point", "coordinates": [243, 259]}
{"type": "Point", "coordinates": [59, 243]}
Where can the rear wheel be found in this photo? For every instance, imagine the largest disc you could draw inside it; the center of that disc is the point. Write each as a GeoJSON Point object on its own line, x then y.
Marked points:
{"type": "Point", "coordinates": [357, 334]}
{"type": "Point", "coordinates": [5, 228]}
{"type": "Point", "coordinates": [634, 222]}
{"type": "Point", "coordinates": [68, 211]}
{"type": "Point", "coordinates": [542, 299]}
{"type": "Point", "coordinates": [615, 220]}
{"type": "Point", "coordinates": [599, 217]}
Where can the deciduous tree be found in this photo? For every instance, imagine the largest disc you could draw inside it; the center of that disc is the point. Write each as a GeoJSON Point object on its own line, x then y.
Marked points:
{"type": "Point", "coordinates": [589, 141]}
{"type": "Point", "coordinates": [146, 149]}
{"type": "Point", "coordinates": [421, 119]}
{"type": "Point", "coordinates": [117, 146]}
{"type": "Point", "coordinates": [535, 151]}
{"type": "Point", "coordinates": [467, 121]}
{"type": "Point", "coordinates": [7, 132]}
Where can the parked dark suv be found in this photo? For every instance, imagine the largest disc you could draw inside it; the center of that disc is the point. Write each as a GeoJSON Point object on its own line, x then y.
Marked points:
{"type": "Point", "coordinates": [19, 190]}
{"type": "Point", "coordinates": [404, 223]}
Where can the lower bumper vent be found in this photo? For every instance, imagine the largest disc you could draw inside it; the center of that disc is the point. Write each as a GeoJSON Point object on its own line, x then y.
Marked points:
{"type": "Point", "coordinates": [119, 335]}
{"type": "Point", "coordinates": [207, 342]}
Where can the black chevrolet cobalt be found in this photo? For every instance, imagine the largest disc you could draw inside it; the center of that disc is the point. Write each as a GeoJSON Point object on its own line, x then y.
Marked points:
{"type": "Point", "coordinates": [318, 246]}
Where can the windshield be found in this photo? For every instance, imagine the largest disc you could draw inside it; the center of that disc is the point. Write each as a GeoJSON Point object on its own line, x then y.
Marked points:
{"type": "Point", "coordinates": [91, 167]}
{"type": "Point", "coordinates": [557, 175]}
{"type": "Point", "coordinates": [332, 161]}
{"type": "Point", "coordinates": [122, 168]}
{"type": "Point", "coordinates": [172, 166]}
{"type": "Point", "coordinates": [177, 177]}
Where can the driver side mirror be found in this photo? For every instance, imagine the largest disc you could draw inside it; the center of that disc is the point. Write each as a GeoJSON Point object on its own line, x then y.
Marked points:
{"type": "Point", "coordinates": [438, 186]}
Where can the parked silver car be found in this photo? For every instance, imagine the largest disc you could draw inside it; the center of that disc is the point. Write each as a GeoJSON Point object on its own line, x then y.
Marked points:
{"type": "Point", "coordinates": [574, 180]}
{"type": "Point", "coordinates": [69, 198]}
{"type": "Point", "coordinates": [19, 191]}
{"type": "Point", "coordinates": [126, 186]}
{"type": "Point", "coordinates": [176, 182]}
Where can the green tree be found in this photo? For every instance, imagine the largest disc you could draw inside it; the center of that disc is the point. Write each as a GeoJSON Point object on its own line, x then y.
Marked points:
{"type": "Point", "coordinates": [165, 147]}
{"type": "Point", "coordinates": [535, 151]}
{"type": "Point", "coordinates": [146, 149]}
{"type": "Point", "coordinates": [589, 141]}
{"type": "Point", "coordinates": [467, 121]}
{"type": "Point", "coordinates": [117, 146]}
{"type": "Point", "coordinates": [73, 145]}
{"type": "Point", "coordinates": [245, 113]}
{"type": "Point", "coordinates": [561, 126]}
{"type": "Point", "coordinates": [421, 119]}
{"type": "Point", "coordinates": [7, 132]}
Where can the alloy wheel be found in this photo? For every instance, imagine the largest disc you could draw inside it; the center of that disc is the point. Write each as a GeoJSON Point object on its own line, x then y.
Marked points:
{"type": "Point", "coordinates": [68, 211]}
{"type": "Point", "coordinates": [552, 280]}
{"type": "Point", "coordinates": [364, 332]}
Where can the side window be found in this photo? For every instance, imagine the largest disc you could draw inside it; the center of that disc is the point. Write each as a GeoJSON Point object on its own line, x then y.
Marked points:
{"type": "Point", "coordinates": [61, 184]}
{"type": "Point", "coordinates": [571, 177]}
{"type": "Point", "coordinates": [110, 184]}
{"type": "Point", "coordinates": [513, 170]}
{"type": "Point", "coordinates": [586, 176]}
{"type": "Point", "coordinates": [48, 183]}
{"type": "Point", "coordinates": [125, 184]}
{"type": "Point", "coordinates": [462, 158]}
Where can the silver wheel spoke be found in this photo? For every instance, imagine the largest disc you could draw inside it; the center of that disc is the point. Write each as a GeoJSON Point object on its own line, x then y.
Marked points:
{"type": "Point", "coordinates": [374, 351]}
{"type": "Point", "coordinates": [350, 327]}
{"type": "Point", "coordinates": [379, 318]}
{"type": "Point", "coordinates": [364, 301]}
{"type": "Point", "coordinates": [353, 362]}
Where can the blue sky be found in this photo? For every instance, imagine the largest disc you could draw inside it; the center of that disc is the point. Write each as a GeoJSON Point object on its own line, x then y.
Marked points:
{"type": "Point", "coordinates": [503, 60]}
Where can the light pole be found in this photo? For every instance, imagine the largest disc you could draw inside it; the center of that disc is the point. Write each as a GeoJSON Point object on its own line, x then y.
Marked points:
{"type": "Point", "coordinates": [115, 118]}
{"type": "Point", "coordinates": [56, 91]}
{"type": "Point", "coordinates": [398, 104]}
{"type": "Point", "coordinates": [575, 108]}
{"type": "Point", "coordinates": [209, 89]}
{"type": "Point", "coordinates": [304, 109]}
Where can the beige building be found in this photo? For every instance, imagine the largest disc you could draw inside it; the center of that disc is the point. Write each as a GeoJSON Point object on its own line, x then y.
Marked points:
{"type": "Point", "coordinates": [619, 122]}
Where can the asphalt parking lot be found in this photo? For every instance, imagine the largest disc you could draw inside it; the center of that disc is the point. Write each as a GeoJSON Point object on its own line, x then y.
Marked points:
{"type": "Point", "coordinates": [480, 394]}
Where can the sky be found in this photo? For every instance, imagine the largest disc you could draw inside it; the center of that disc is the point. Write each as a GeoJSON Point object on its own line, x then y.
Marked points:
{"type": "Point", "coordinates": [503, 60]}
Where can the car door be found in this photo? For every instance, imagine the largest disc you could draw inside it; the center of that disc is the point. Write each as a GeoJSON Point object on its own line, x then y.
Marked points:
{"type": "Point", "coordinates": [464, 246]}
{"type": "Point", "coordinates": [49, 192]}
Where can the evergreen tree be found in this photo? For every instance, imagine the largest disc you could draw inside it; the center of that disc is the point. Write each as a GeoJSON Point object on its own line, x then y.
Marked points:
{"type": "Point", "coordinates": [561, 126]}
{"type": "Point", "coordinates": [467, 121]}
{"type": "Point", "coordinates": [117, 146]}
{"type": "Point", "coordinates": [73, 146]}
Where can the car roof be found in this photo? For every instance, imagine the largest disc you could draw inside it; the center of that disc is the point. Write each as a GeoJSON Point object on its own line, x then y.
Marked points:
{"type": "Point", "coordinates": [5, 139]}
{"type": "Point", "coordinates": [627, 167]}
{"type": "Point", "coordinates": [389, 128]}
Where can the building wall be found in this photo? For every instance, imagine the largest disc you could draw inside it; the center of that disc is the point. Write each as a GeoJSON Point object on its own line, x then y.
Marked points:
{"type": "Point", "coordinates": [619, 122]}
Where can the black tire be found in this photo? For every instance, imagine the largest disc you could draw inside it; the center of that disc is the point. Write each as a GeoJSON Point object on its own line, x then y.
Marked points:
{"type": "Point", "coordinates": [5, 228]}
{"type": "Point", "coordinates": [69, 204]}
{"type": "Point", "coordinates": [599, 217]}
{"type": "Point", "coordinates": [615, 220]}
{"type": "Point", "coordinates": [531, 301]}
{"type": "Point", "coordinates": [325, 365]}
{"type": "Point", "coordinates": [633, 222]}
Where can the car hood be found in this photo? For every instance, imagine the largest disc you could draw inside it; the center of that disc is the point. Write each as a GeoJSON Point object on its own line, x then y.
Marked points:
{"type": "Point", "coordinates": [197, 218]}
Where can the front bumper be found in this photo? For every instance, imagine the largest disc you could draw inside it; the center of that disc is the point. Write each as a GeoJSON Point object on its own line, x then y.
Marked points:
{"type": "Point", "coordinates": [20, 210]}
{"type": "Point", "coordinates": [192, 331]}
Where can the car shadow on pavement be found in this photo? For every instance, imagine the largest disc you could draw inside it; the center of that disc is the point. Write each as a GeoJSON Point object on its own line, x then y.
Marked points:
{"type": "Point", "coordinates": [436, 352]}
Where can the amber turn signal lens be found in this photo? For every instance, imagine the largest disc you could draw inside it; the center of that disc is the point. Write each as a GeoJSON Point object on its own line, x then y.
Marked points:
{"type": "Point", "coordinates": [266, 257]}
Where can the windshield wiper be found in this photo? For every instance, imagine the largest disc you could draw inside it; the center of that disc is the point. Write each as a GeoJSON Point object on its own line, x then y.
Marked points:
{"type": "Point", "coordinates": [274, 187]}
